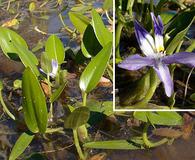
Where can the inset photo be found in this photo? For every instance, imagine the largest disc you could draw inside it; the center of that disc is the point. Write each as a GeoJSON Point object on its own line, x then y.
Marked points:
{"type": "Point", "coordinates": [154, 55]}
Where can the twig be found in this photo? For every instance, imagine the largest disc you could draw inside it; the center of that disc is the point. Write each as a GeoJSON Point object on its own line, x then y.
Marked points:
{"type": "Point", "coordinates": [186, 86]}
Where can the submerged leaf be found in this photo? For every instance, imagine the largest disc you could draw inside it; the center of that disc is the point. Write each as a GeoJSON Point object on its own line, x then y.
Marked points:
{"type": "Point", "coordinates": [21, 144]}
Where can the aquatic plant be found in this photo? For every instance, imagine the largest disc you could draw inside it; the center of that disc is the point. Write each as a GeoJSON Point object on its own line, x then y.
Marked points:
{"type": "Point", "coordinates": [155, 54]}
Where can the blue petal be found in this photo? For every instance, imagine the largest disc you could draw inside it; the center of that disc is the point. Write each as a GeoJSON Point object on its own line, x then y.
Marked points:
{"type": "Point", "coordinates": [54, 71]}
{"type": "Point", "coordinates": [136, 62]}
{"type": "Point", "coordinates": [187, 58]}
{"type": "Point", "coordinates": [164, 75]}
{"type": "Point", "coordinates": [145, 40]}
{"type": "Point", "coordinates": [158, 25]}
{"type": "Point", "coordinates": [158, 31]}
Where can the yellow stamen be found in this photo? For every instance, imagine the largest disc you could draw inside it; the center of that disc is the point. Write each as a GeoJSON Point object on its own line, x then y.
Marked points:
{"type": "Point", "coordinates": [160, 49]}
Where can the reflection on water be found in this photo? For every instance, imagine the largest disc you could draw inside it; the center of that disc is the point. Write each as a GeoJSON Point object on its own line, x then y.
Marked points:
{"type": "Point", "coordinates": [179, 150]}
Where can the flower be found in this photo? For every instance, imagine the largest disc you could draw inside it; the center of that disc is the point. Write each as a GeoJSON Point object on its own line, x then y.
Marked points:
{"type": "Point", "coordinates": [54, 70]}
{"type": "Point", "coordinates": [153, 49]}
{"type": "Point", "coordinates": [54, 64]}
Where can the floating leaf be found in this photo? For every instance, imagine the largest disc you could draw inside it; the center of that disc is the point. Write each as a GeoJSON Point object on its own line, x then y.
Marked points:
{"type": "Point", "coordinates": [11, 42]}
{"type": "Point", "coordinates": [55, 49]}
{"type": "Point", "coordinates": [101, 32]}
{"type": "Point", "coordinates": [95, 69]}
{"type": "Point", "coordinates": [21, 144]}
{"type": "Point", "coordinates": [114, 144]}
{"type": "Point", "coordinates": [11, 23]}
{"type": "Point", "coordinates": [77, 118]}
{"type": "Point", "coordinates": [34, 103]}
{"type": "Point", "coordinates": [32, 6]}
{"type": "Point", "coordinates": [79, 21]}
{"type": "Point", "coordinates": [160, 118]}
{"type": "Point", "coordinates": [107, 4]}
{"type": "Point", "coordinates": [81, 8]}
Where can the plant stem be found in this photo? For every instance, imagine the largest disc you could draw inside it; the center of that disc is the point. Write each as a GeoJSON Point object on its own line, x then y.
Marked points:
{"type": "Point", "coordinates": [82, 129]}
{"type": "Point", "coordinates": [129, 7]}
{"type": "Point", "coordinates": [51, 104]}
{"type": "Point", "coordinates": [65, 26]}
{"type": "Point", "coordinates": [77, 145]}
{"type": "Point", "coordinates": [147, 142]}
{"type": "Point", "coordinates": [84, 99]}
{"type": "Point", "coordinates": [152, 5]}
{"type": "Point", "coordinates": [5, 107]}
{"type": "Point", "coordinates": [117, 40]}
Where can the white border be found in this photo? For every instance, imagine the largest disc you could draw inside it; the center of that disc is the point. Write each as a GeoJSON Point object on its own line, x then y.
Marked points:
{"type": "Point", "coordinates": [114, 102]}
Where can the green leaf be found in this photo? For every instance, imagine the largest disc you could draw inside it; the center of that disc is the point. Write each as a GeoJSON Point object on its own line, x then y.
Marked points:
{"type": "Point", "coordinates": [81, 8]}
{"type": "Point", "coordinates": [79, 21]}
{"type": "Point", "coordinates": [57, 93]}
{"type": "Point", "coordinates": [160, 117]}
{"type": "Point", "coordinates": [17, 84]}
{"type": "Point", "coordinates": [77, 118]}
{"type": "Point", "coordinates": [55, 49]}
{"type": "Point", "coordinates": [107, 4]}
{"type": "Point", "coordinates": [105, 107]}
{"type": "Point", "coordinates": [161, 4]}
{"type": "Point", "coordinates": [90, 46]}
{"type": "Point", "coordinates": [1, 85]}
{"type": "Point", "coordinates": [36, 156]}
{"type": "Point", "coordinates": [101, 32]}
{"type": "Point", "coordinates": [34, 103]}
{"type": "Point", "coordinates": [95, 69]}
{"type": "Point", "coordinates": [166, 16]}
{"type": "Point", "coordinates": [138, 90]}
{"type": "Point", "coordinates": [46, 63]}
{"type": "Point", "coordinates": [183, 22]}
{"type": "Point", "coordinates": [21, 144]}
{"type": "Point", "coordinates": [114, 144]}
{"type": "Point", "coordinates": [192, 97]}
{"type": "Point", "coordinates": [11, 42]}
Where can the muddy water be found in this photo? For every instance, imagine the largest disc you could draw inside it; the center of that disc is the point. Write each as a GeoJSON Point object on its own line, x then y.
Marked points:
{"type": "Point", "coordinates": [179, 150]}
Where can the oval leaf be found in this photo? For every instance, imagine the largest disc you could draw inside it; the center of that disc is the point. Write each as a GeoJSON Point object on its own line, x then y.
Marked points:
{"type": "Point", "coordinates": [21, 144]}
{"type": "Point", "coordinates": [34, 104]}
{"type": "Point", "coordinates": [79, 21]}
{"type": "Point", "coordinates": [55, 49]}
{"type": "Point", "coordinates": [11, 42]}
{"type": "Point", "coordinates": [101, 32]}
{"type": "Point", "coordinates": [90, 46]}
{"type": "Point", "coordinates": [95, 69]}
{"type": "Point", "coordinates": [77, 118]}
{"type": "Point", "coordinates": [160, 118]}
{"type": "Point", "coordinates": [114, 144]}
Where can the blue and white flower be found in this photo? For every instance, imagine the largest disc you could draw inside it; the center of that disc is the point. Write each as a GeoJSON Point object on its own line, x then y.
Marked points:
{"type": "Point", "coordinates": [54, 69]}
{"type": "Point", "coordinates": [54, 64]}
{"type": "Point", "coordinates": [153, 49]}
